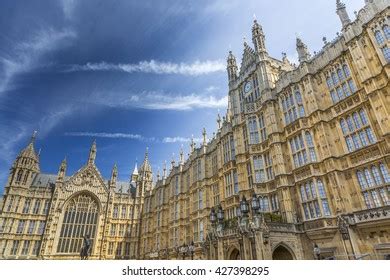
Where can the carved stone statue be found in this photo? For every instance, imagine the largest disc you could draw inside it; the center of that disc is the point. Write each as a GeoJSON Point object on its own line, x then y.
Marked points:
{"type": "Point", "coordinates": [85, 250]}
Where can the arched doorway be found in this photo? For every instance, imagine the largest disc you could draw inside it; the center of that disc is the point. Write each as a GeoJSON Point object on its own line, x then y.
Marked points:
{"type": "Point", "coordinates": [235, 255]}
{"type": "Point", "coordinates": [282, 253]}
{"type": "Point", "coordinates": [80, 219]}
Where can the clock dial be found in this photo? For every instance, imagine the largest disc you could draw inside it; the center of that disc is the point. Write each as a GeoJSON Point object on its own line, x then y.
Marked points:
{"type": "Point", "coordinates": [247, 87]}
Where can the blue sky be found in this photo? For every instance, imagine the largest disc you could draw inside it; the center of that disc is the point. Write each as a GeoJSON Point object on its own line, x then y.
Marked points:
{"type": "Point", "coordinates": [132, 74]}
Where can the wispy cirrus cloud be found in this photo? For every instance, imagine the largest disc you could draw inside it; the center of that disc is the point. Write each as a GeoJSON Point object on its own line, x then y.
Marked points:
{"type": "Point", "coordinates": [155, 100]}
{"type": "Point", "coordinates": [26, 54]}
{"type": "Point", "coordinates": [111, 135]}
{"type": "Point", "coordinates": [156, 67]}
{"type": "Point", "coordinates": [178, 139]}
{"type": "Point", "coordinates": [132, 136]}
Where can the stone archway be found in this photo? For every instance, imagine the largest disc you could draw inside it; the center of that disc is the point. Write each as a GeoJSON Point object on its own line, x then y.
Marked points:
{"type": "Point", "coordinates": [235, 254]}
{"type": "Point", "coordinates": [282, 252]}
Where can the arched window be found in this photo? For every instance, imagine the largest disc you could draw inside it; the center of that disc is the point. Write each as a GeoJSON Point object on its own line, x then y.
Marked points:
{"type": "Point", "coordinates": [386, 53]}
{"type": "Point", "coordinates": [377, 176]}
{"type": "Point", "coordinates": [385, 173]}
{"type": "Point", "coordinates": [343, 126]}
{"type": "Point", "coordinates": [19, 176]}
{"type": "Point", "coordinates": [347, 73]}
{"type": "Point", "coordinates": [362, 180]}
{"type": "Point", "coordinates": [379, 37]}
{"type": "Point", "coordinates": [369, 179]}
{"type": "Point", "coordinates": [386, 30]}
{"type": "Point", "coordinates": [80, 219]}
{"type": "Point", "coordinates": [340, 74]}
{"type": "Point", "coordinates": [356, 120]}
{"type": "Point", "coordinates": [334, 78]}
{"type": "Point", "coordinates": [350, 124]}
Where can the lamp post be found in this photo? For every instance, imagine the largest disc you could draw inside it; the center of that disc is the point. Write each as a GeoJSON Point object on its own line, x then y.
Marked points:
{"type": "Point", "coordinates": [191, 249]}
{"type": "Point", "coordinates": [184, 250]}
{"type": "Point", "coordinates": [317, 251]}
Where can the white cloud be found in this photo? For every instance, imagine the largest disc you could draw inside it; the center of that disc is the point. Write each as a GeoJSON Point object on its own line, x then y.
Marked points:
{"type": "Point", "coordinates": [179, 139]}
{"type": "Point", "coordinates": [68, 7]}
{"type": "Point", "coordinates": [111, 135]}
{"type": "Point", "coordinates": [161, 101]}
{"type": "Point", "coordinates": [27, 53]}
{"type": "Point", "coordinates": [155, 67]}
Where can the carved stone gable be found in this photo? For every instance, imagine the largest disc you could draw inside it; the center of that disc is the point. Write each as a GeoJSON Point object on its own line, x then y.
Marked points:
{"type": "Point", "coordinates": [248, 58]}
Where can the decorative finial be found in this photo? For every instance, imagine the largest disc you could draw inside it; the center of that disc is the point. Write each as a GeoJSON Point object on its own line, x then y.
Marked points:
{"type": "Point", "coordinates": [33, 136]}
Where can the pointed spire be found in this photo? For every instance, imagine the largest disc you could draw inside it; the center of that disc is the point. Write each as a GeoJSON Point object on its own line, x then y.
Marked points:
{"type": "Point", "coordinates": [192, 145]}
{"type": "Point", "coordinates": [135, 171]}
{"type": "Point", "coordinates": [134, 175]}
{"type": "Point", "coordinates": [173, 161]}
{"type": "Point", "coordinates": [181, 158]}
{"type": "Point", "coordinates": [62, 170]}
{"type": "Point", "coordinates": [342, 13]}
{"type": "Point", "coordinates": [165, 170]}
{"type": "Point", "coordinates": [204, 134]}
{"type": "Point", "coordinates": [92, 153]}
{"type": "Point", "coordinates": [158, 174]}
{"type": "Point", "coordinates": [219, 121]}
{"type": "Point", "coordinates": [33, 136]}
{"type": "Point", "coordinates": [146, 167]}
{"type": "Point", "coordinates": [258, 39]}
{"type": "Point", "coordinates": [232, 68]}
{"type": "Point", "coordinates": [303, 52]}
{"type": "Point", "coordinates": [114, 175]}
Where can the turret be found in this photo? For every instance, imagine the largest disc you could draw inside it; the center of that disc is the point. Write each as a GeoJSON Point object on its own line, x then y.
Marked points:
{"type": "Point", "coordinates": [192, 145]}
{"type": "Point", "coordinates": [145, 175]}
{"type": "Point", "coordinates": [342, 13]}
{"type": "Point", "coordinates": [25, 165]}
{"type": "Point", "coordinates": [258, 39]}
{"type": "Point", "coordinates": [92, 153]}
{"type": "Point", "coordinates": [114, 176]}
{"type": "Point", "coordinates": [303, 52]}
{"type": "Point", "coordinates": [232, 68]}
{"type": "Point", "coordinates": [173, 161]}
{"type": "Point", "coordinates": [204, 143]}
{"type": "Point", "coordinates": [134, 175]}
{"type": "Point", "coordinates": [219, 121]}
{"type": "Point", "coordinates": [62, 171]}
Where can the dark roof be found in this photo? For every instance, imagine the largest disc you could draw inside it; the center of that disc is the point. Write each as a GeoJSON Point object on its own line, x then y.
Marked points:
{"type": "Point", "coordinates": [44, 180]}
{"type": "Point", "coordinates": [48, 181]}
{"type": "Point", "coordinates": [125, 187]}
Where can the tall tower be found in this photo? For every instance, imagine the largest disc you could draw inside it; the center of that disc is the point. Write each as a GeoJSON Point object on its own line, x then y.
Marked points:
{"type": "Point", "coordinates": [25, 165]}
{"type": "Point", "coordinates": [303, 52]}
{"type": "Point", "coordinates": [134, 175]}
{"type": "Point", "coordinates": [232, 68]}
{"type": "Point", "coordinates": [62, 171]}
{"type": "Point", "coordinates": [92, 153]}
{"type": "Point", "coordinates": [114, 176]}
{"type": "Point", "coordinates": [258, 39]}
{"type": "Point", "coordinates": [342, 13]}
{"type": "Point", "coordinates": [145, 178]}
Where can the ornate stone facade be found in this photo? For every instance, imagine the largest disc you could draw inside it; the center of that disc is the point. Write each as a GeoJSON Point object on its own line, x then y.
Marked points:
{"type": "Point", "coordinates": [307, 145]}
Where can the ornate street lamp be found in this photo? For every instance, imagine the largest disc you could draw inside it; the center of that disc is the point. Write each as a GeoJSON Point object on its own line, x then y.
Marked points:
{"type": "Point", "coordinates": [184, 250]}
{"type": "Point", "coordinates": [244, 206]}
{"type": "Point", "coordinates": [317, 252]}
{"type": "Point", "coordinates": [191, 249]}
{"type": "Point", "coordinates": [238, 212]}
{"type": "Point", "coordinates": [220, 214]}
{"type": "Point", "coordinates": [213, 216]}
{"type": "Point", "coordinates": [255, 204]}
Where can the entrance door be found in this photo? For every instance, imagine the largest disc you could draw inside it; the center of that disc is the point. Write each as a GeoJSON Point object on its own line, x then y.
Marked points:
{"type": "Point", "coordinates": [282, 253]}
{"type": "Point", "coordinates": [235, 255]}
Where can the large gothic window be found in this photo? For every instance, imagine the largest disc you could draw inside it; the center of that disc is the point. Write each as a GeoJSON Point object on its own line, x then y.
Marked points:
{"type": "Point", "coordinates": [80, 219]}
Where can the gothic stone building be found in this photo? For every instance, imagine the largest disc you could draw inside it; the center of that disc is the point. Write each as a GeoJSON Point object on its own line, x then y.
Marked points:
{"type": "Point", "coordinates": [298, 169]}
